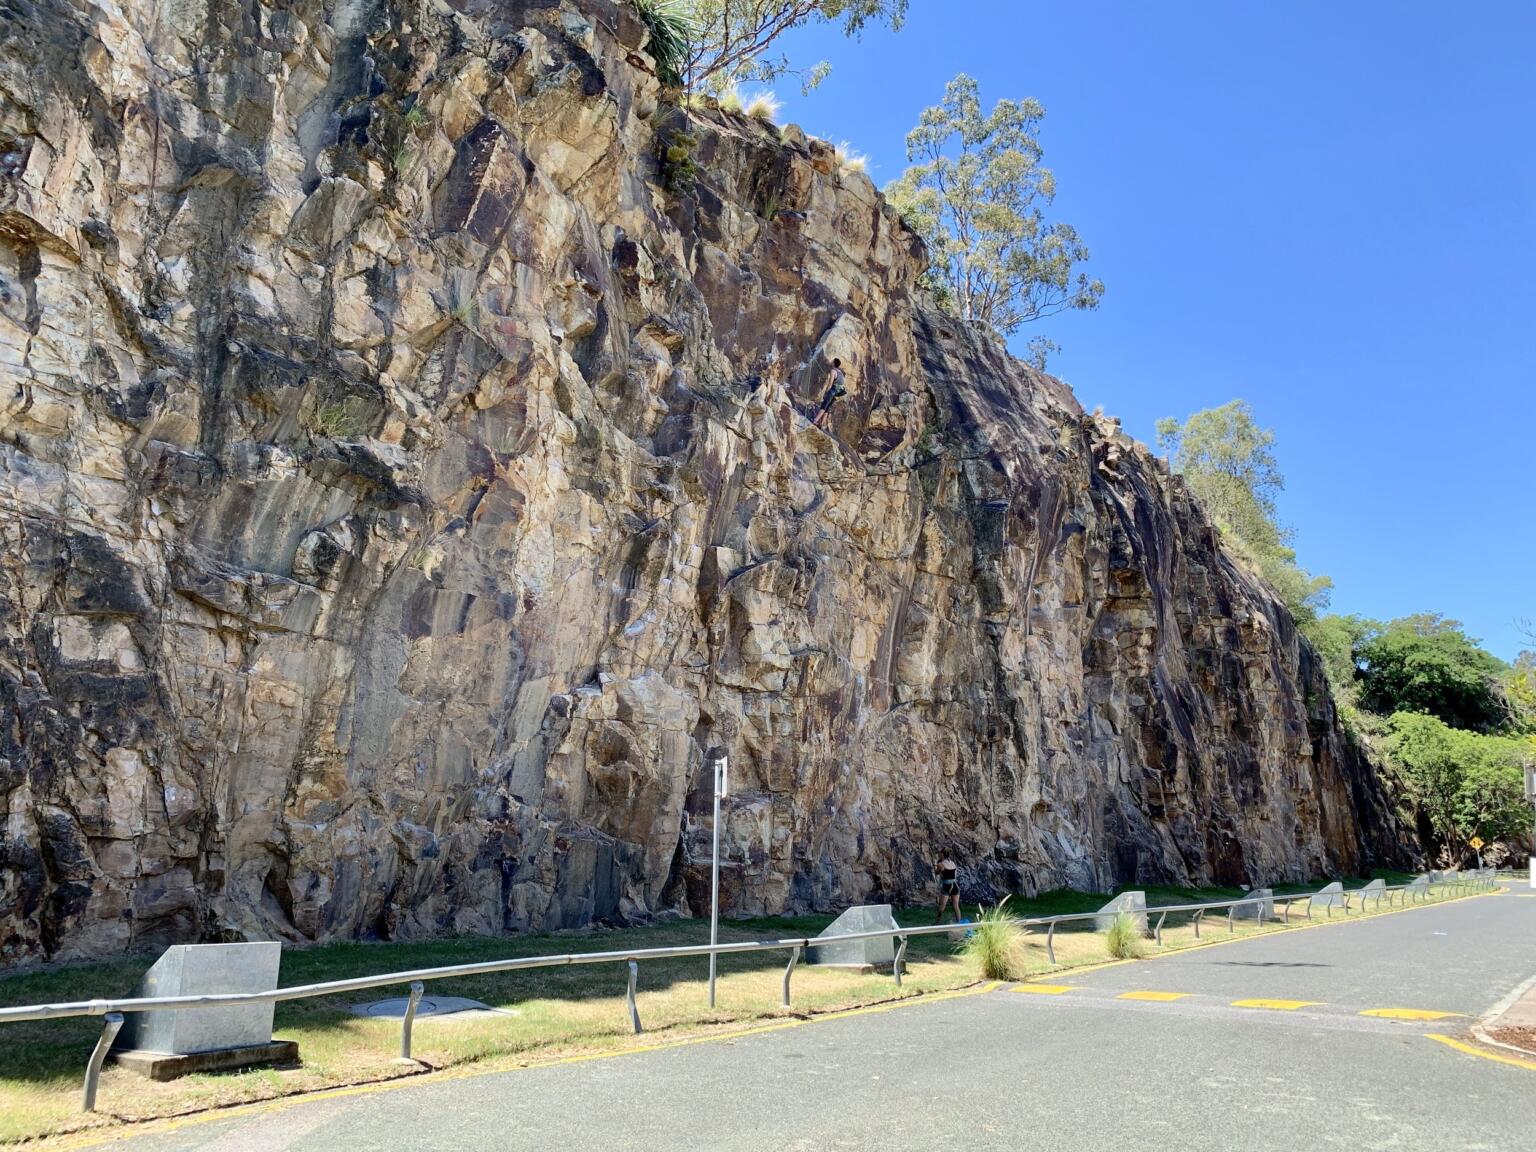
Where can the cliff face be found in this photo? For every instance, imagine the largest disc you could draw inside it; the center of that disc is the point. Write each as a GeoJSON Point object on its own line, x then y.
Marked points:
{"type": "Point", "coordinates": [401, 490]}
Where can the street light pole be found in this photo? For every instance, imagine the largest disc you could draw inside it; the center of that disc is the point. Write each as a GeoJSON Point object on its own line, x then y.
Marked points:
{"type": "Point", "coordinates": [720, 762]}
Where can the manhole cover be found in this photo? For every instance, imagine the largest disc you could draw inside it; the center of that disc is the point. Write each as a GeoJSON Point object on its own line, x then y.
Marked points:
{"type": "Point", "coordinates": [430, 1006]}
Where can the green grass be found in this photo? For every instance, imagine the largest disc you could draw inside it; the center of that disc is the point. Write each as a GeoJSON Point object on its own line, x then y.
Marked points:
{"type": "Point", "coordinates": [341, 420]}
{"type": "Point", "coordinates": [563, 1011]}
{"type": "Point", "coordinates": [1123, 938]}
{"type": "Point", "coordinates": [996, 945]}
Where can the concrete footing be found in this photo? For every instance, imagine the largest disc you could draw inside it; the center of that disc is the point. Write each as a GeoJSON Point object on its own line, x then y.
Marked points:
{"type": "Point", "coordinates": [170, 1065]}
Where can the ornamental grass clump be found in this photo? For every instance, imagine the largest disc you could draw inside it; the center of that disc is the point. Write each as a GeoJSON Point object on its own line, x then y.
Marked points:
{"type": "Point", "coordinates": [672, 27]}
{"type": "Point", "coordinates": [996, 944]}
{"type": "Point", "coordinates": [764, 106]}
{"type": "Point", "coordinates": [1123, 938]}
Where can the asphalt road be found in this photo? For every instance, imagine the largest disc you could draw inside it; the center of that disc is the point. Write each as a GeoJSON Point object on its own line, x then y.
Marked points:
{"type": "Point", "coordinates": [1156, 1054]}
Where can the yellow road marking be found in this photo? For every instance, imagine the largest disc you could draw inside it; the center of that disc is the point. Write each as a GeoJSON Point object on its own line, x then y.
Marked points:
{"type": "Point", "coordinates": [94, 1136]}
{"type": "Point", "coordinates": [1159, 997]}
{"type": "Point", "coordinates": [1084, 969]}
{"type": "Point", "coordinates": [1275, 1005]}
{"type": "Point", "coordinates": [1471, 1051]}
{"type": "Point", "coordinates": [1409, 1014]}
{"type": "Point", "coordinates": [1044, 989]}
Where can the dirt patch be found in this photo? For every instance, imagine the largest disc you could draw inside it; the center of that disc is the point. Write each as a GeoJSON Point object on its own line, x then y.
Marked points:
{"type": "Point", "coordinates": [1522, 1038]}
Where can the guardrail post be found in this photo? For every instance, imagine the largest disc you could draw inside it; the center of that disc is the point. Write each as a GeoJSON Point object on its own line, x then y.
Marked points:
{"type": "Point", "coordinates": [1285, 912]}
{"type": "Point", "coordinates": [1199, 912]}
{"type": "Point", "coordinates": [114, 1021]}
{"type": "Point", "coordinates": [1050, 943]}
{"type": "Point", "coordinates": [789, 970]}
{"type": "Point", "coordinates": [1231, 921]}
{"type": "Point", "coordinates": [1158, 931]}
{"type": "Point", "coordinates": [901, 956]}
{"type": "Point", "coordinates": [634, 1012]}
{"type": "Point", "coordinates": [417, 988]}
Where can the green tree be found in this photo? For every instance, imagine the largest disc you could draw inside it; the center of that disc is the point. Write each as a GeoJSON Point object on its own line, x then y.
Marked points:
{"type": "Point", "coordinates": [1229, 463]}
{"type": "Point", "coordinates": [1335, 638]}
{"type": "Point", "coordinates": [1462, 784]}
{"type": "Point", "coordinates": [976, 193]}
{"type": "Point", "coordinates": [1426, 663]}
{"type": "Point", "coordinates": [731, 41]}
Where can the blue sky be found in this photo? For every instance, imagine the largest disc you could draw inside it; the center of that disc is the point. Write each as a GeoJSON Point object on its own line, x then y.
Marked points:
{"type": "Point", "coordinates": [1328, 209]}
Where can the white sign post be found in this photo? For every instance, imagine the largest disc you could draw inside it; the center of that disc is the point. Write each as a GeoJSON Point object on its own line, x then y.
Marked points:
{"type": "Point", "coordinates": [721, 763]}
{"type": "Point", "coordinates": [1530, 794]}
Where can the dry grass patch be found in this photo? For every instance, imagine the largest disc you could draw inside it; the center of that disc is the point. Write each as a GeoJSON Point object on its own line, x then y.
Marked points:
{"type": "Point", "coordinates": [561, 1012]}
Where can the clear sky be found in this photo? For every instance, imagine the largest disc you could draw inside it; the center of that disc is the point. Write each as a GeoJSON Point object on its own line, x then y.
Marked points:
{"type": "Point", "coordinates": [1326, 208]}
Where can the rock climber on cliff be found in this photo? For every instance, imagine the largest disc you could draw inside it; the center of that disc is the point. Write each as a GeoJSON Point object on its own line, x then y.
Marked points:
{"type": "Point", "coordinates": [836, 390]}
{"type": "Point", "coordinates": [949, 888]}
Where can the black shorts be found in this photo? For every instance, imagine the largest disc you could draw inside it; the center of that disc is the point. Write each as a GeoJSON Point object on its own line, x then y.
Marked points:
{"type": "Point", "coordinates": [949, 887]}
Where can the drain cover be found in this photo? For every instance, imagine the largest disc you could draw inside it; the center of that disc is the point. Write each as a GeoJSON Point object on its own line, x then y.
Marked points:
{"type": "Point", "coordinates": [430, 1006]}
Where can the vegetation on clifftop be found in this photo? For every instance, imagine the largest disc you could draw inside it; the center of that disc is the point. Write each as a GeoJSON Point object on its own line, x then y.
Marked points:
{"type": "Point", "coordinates": [1455, 724]}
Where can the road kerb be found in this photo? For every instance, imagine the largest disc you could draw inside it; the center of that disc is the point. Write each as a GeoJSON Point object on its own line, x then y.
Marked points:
{"type": "Point", "coordinates": [1473, 1050]}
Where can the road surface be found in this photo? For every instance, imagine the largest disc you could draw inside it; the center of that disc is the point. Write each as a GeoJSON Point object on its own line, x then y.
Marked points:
{"type": "Point", "coordinates": [1255, 1044]}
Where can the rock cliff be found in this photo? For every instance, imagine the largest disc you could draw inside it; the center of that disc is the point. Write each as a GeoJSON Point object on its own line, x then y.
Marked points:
{"type": "Point", "coordinates": [408, 471]}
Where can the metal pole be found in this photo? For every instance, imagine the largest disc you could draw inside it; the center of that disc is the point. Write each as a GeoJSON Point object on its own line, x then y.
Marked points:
{"type": "Point", "coordinates": [634, 1011]}
{"type": "Point", "coordinates": [1231, 922]}
{"type": "Point", "coordinates": [901, 955]}
{"type": "Point", "coordinates": [1158, 931]}
{"type": "Point", "coordinates": [1198, 914]}
{"type": "Point", "coordinates": [1050, 943]}
{"type": "Point", "coordinates": [720, 762]}
{"type": "Point", "coordinates": [417, 988]}
{"type": "Point", "coordinates": [114, 1021]}
{"type": "Point", "coordinates": [789, 970]}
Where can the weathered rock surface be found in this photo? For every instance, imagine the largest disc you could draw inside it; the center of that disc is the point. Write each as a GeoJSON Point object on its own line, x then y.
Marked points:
{"type": "Point", "coordinates": [401, 490]}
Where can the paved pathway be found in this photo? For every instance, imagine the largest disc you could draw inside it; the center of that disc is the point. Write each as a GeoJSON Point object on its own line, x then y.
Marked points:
{"type": "Point", "coordinates": [1268, 1043]}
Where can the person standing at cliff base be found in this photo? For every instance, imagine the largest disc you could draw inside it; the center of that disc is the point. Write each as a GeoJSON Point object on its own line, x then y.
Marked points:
{"type": "Point", "coordinates": [949, 888]}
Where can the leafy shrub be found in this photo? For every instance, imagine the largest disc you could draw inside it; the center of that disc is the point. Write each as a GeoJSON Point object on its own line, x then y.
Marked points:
{"type": "Point", "coordinates": [996, 944]}
{"type": "Point", "coordinates": [1123, 938]}
{"type": "Point", "coordinates": [679, 170]}
{"type": "Point", "coordinates": [341, 420]}
{"type": "Point", "coordinates": [672, 27]}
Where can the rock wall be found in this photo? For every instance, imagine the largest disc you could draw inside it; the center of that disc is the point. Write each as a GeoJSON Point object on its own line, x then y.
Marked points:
{"type": "Point", "coordinates": [402, 487]}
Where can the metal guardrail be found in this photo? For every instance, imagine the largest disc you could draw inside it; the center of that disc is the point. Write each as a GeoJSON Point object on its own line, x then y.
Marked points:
{"type": "Point", "coordinates": [113, 1010]}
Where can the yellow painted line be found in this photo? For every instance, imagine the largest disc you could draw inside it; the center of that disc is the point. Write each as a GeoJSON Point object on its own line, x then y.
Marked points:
{"type": "Point", "coordinates": [1409, 1014]}
{"type": "Point", "coordinates": [1044, 989]}
{"type": "Point", "coordinates": [1294, 926]}
{"type": "Point", "coordinates": [1471, 1051]}
{"type": "Point", "coordinates": [1275, 1005]}
{"type": "Point", "coordinates": [113, 1132]}
{"type": "Point", "coordinates": [1156, 997]}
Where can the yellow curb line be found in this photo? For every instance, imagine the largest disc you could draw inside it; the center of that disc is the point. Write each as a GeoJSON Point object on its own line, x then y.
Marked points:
{"type": "Point", "coordinates": [89, 1138]}
{"type": "Point", "coordinates": [156, 1126]}
{"type": "Point", "coordinates": [1410, 1014]}
{"type": "Point", "coordinates": [1302, 927]}
{"type": "Point", "coordinates": [1471, 1051]}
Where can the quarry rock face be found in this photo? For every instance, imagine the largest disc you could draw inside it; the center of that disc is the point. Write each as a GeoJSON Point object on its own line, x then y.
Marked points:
{"type": "Point", "coordinates": [407, 472]}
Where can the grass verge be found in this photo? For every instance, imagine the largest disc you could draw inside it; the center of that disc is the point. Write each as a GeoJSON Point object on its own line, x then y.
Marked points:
{"type": "Point", "coordinates": [555, 1013]}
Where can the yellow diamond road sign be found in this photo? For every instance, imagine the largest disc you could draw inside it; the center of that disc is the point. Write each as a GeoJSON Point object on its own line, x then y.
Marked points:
{"type": "Point", "coordinates": [1476, 842]}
